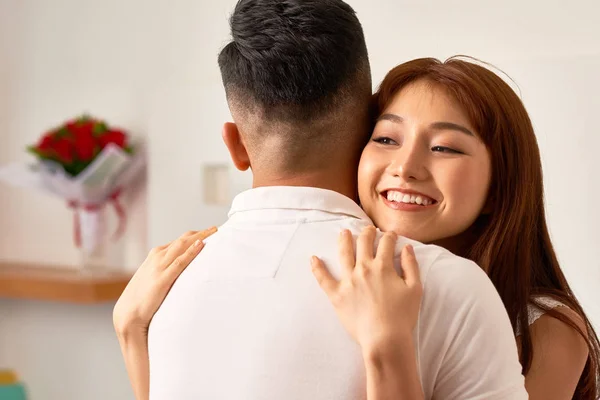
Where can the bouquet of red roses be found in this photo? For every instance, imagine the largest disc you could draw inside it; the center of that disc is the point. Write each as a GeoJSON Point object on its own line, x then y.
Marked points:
{"type": "Point", "coordinates": [88, 164]}
{"type": "Point", "coordinates": [75, 144]}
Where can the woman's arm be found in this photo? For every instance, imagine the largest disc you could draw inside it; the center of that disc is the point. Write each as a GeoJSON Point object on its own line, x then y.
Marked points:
{"type": "Point", "coordinates": [392, 372]}
{"type": "Point", "coordinates": [142, 298]}
{"type": "Point", "coordinates": [134, 347]}
{"type": "Point", "coordinates": [559, 357]}
{"type": "Point", "coordinates": [367, 301]}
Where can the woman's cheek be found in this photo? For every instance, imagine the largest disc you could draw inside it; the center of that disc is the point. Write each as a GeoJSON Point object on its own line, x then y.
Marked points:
{"type": "Point", "coordinates": [467, 187]}
{"type": "Point", "coordinates": [366, 170]}
{"type": "Point", "coordinates": [368, 179]}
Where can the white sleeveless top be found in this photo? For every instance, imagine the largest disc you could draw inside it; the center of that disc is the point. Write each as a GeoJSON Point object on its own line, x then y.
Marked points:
{"type": "Point", "coordinates": [534, 312]}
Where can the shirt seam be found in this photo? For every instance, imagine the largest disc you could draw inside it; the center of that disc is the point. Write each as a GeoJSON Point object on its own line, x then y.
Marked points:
{"type": "Point", "coordinates": [287, 247]}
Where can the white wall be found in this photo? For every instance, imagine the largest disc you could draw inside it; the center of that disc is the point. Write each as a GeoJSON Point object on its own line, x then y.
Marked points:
{"type": "Point", "coordinates": [150, 66]}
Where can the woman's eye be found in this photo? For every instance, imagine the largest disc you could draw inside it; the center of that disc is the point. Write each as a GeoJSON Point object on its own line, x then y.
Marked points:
{"type": "Point", "coordinates": [442, 149]}
{"type": "Point", "coordinates": [384, 140]}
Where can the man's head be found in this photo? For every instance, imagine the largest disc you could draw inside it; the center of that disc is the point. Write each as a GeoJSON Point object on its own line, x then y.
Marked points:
{"type": "Point", "coordinates": [298, 84]}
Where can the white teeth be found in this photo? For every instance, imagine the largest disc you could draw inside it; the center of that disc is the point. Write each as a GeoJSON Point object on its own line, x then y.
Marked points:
{"type": "Point", "coordinates": [399, 197]}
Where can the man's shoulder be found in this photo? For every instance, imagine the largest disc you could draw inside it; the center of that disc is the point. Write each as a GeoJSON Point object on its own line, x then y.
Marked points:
{"type": "Point", "coordinates": [454, 279]}
{"type": "Point", "coordinates": [432, 259]}
{"type": "Point", "coordinates": [439, 266]}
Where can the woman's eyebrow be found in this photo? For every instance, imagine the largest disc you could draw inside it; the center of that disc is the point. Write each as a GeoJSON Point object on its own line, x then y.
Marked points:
{"type": "Point", "coordinates": [450, 126]}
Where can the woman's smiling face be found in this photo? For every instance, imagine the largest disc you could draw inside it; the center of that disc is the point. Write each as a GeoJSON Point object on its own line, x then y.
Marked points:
{"type": "Point", "coordinates": [425, 173]}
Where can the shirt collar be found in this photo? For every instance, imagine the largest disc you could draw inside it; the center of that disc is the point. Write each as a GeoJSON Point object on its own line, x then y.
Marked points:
{"type": "Point", "coordinates": [296, 198]}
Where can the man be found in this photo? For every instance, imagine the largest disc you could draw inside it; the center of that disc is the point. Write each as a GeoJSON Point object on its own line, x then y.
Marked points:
{"type": "Point", "coordinates": [246, 319]}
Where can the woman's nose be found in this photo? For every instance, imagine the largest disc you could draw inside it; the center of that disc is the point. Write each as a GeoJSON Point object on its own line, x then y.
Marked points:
{"type": "Point", "coordinates": [409, 166]}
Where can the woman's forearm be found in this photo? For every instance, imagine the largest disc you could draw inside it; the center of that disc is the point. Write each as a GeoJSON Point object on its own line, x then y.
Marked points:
{"type": "Point", "coordinates": [134, 346]}
{"type": "Point", "coordinates": [392, 373]}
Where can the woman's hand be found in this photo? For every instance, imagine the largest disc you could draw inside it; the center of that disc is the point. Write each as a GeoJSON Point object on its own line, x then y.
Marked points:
{"type": "Point", "coordinates": [152, 281]}
{"type": "Point", "coordinates": [143, 296]}
{"type": "Point", "coordinates": [379, 309]}
{"type": "Point", "coordinates": [377, 306]}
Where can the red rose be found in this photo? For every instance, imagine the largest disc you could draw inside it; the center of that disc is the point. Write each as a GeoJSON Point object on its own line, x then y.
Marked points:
{"type": "Point", "coordinates": [82, 129]}
{"type": "Point", "coordinates": [113, 136]}
{"type": "Point", "coordinates": [63, 150]}
{"type": "Point", "coordinates": [85, 146]}
{"type": "Point", "coordinates": [70, 125]}
{"type": "Point", "coordinates": [45, 143]}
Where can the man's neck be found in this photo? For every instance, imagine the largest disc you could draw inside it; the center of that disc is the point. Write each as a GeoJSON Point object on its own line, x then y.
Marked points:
{"type": "Point", "coordinates": [333, 180]}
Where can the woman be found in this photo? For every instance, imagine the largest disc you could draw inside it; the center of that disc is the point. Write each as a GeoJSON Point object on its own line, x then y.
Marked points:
{"type": "Point", "coordinates": [453, 161]}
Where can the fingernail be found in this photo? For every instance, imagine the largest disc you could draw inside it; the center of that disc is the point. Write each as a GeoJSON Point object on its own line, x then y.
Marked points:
{"type": "Point", "coordinates": [313, 260]}
{"type": "Point", "coordinates": [410, 249]}
{"type": "Point", "coordinates": [197, 243]}
{"type": "Point", "coordinates": [212, 229]}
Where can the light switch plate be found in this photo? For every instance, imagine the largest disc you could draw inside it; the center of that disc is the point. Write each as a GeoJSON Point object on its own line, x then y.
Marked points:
{"type": "Point", "coordinates": [217, 189]}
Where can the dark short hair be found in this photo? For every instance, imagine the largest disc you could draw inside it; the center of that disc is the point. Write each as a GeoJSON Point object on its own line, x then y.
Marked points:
{"type": "Point", "coordinates": [294, 59]}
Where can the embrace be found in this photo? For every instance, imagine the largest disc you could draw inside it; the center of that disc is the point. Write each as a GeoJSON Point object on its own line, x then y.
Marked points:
{"type": "Point", "coordinates": [393, 246]}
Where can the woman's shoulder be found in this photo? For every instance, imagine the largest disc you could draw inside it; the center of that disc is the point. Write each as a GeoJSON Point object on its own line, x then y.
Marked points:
{"type": "Point", "coordinates": [538, 307]}
{"type": "Point", "coordinates": [560, 352]}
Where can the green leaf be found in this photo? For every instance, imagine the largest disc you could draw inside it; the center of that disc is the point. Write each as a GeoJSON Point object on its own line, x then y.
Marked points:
{"type": "Point", "coordinates": [39, 154]}
{"type": "Point", "coordinates": [76, 166]}
{"type": "Point", "coordinates": [63, 132]}
{"type": "Point", "coordinates": [99, 128]}
{"type": "Point", "coordinates": [33, 150]}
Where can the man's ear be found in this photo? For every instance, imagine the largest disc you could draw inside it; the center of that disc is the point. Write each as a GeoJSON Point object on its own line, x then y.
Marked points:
{"type": "Point", "coordinates": [235, 145]}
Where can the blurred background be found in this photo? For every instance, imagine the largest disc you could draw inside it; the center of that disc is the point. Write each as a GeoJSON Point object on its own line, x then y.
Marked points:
{"type": "Point", "coordinates": [150, 67]}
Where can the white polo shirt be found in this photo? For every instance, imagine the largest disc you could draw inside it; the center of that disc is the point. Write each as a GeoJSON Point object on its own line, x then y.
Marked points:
{"type": "Point", "coordinates": [247, 320]}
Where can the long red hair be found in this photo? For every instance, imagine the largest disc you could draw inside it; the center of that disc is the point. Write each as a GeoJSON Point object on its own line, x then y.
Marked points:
{"type": "Point", "coordinates": [511, 243]}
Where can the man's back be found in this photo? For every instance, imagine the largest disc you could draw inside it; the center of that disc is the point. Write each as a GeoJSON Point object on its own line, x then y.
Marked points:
{"type": "Point", "coordinates": [247, 320]}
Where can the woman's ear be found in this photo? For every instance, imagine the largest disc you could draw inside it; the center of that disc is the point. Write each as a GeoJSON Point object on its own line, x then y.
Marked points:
{"type": "Point", "coordinates": [235, 145]}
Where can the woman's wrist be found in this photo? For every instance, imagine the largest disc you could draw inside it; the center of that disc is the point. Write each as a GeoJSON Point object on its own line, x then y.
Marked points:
{"type": "Point", "coordinates": [391, 369]}
{"type": "Point", "coordinates": [394, 348]}
{"type": "Point", "coordinates": [134, 347]}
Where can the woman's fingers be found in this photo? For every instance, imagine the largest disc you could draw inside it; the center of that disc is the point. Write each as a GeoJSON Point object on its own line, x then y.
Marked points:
{"type": "Point", "coordinates": [176, 248]}
{"type": "Point", "coordinates": [194, 242]}
{"type": "Point", "coordinates": [346, 252]}
{"type": "Point", "coordinates": [163, 247]}
{"type": "Point", "coordinates": [181, 262]}
{"type": "Point", "coordinates": [327, 282]}
{"type": "Point", "coordinates": [179, 246]}
{"type": "Point", "coordinates": [410, 266]}
{"type": "Point", "coordinates": [386, 250]}
{"type": "Point", "coordinates": [207, 232]}
{"type": "Point", "coordinates": [180, 238]}
{"type": "Point", "coordinates": [201, 235]}
{"type": "Point", "coordinates": [365, 246]}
